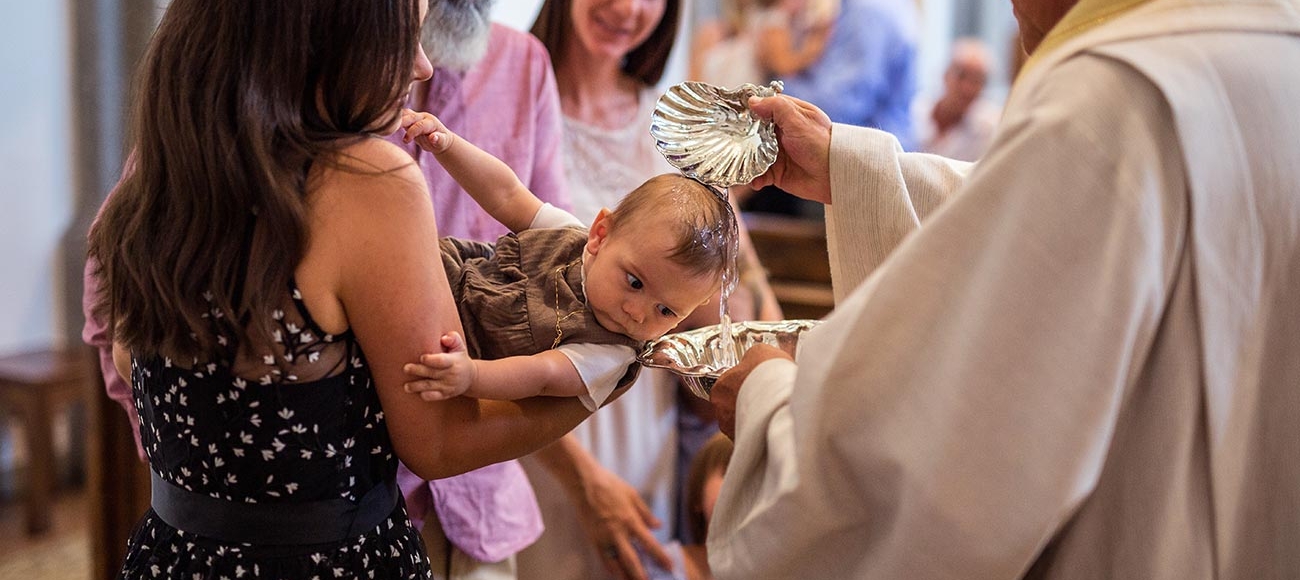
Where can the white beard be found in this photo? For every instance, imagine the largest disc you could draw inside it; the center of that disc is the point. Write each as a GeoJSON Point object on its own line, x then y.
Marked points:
{"type": "Point", "coordinates": [456, 32]}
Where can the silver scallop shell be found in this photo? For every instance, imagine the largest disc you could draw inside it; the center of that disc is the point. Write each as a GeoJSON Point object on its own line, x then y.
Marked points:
{"type": "Point", "coordinates": [708, 132]}
{"type": "Point", "coordinates": [695, 355]}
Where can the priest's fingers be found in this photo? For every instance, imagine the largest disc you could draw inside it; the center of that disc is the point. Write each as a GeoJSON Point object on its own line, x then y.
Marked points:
{"type": "Point", "coordinates": [803, 131]}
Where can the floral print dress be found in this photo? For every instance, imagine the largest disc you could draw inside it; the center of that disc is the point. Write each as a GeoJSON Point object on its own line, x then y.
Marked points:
{"type": "Point", "coordinates": [302, 424]}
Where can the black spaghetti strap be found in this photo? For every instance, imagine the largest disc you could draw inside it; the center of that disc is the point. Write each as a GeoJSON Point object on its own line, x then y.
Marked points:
{"type": "Point", "coordinates": [307, 320]}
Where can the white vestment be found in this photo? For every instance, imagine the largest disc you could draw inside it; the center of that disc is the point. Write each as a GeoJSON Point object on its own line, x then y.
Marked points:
{"type": "Point", "coordinates": [1086, 364]}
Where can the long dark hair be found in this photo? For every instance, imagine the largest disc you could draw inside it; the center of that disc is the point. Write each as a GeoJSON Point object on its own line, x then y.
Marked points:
{"type": "Point", "coordinates": [234, 101]}
{"type": "Point", "coordinates": [645, 63]}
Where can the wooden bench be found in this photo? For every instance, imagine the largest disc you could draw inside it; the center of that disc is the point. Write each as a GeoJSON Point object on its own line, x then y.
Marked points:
{"type": "Point", "coordinates": [793, 251]}
{"type": "Point", "coordinates": [33, 387]}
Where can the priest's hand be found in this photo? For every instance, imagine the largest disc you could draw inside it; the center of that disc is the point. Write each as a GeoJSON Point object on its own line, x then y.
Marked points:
{"type": "Point", "coordinates": [803, 131]}
{"type": "Point", "coordinates": [727, 389]}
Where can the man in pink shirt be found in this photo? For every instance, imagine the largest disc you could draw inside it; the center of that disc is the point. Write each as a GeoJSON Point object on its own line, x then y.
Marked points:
{"type": "Point", "coordinates": [495, 86]}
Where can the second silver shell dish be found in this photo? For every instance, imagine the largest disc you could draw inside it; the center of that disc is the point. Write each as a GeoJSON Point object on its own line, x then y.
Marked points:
{"type": "Point", "coordinates": [709, 133]}
{"type": "Point", "coordinates": [696, 355]}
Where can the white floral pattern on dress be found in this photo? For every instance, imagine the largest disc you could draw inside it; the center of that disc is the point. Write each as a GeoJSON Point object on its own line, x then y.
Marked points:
{"type": "Point", "coordinates": [299, 425]}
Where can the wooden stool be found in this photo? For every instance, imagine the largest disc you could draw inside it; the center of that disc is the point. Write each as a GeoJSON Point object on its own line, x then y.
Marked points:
{"type": "Point", "coordinates": [33, 386]}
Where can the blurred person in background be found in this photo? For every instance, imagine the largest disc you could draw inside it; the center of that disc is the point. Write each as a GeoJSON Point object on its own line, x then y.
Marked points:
{"type": "Point", "coordinates": [756, 41]}
{"type": "Point", "coordinates": [866, 77]}
{"type": "Point", "coordinates": [959, 124]}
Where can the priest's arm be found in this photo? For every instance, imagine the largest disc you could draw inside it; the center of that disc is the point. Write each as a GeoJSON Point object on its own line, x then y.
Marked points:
{"type": "Point", "coordinates": [955, 409]}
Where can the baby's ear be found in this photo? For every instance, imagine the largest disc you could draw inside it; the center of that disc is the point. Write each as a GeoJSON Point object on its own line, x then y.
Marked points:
{"type": "Point", "coordinates": [598, 234]}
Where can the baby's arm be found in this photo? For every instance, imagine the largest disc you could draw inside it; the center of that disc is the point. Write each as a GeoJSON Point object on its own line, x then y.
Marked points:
{"type": "Point", "coordinates": [453, 373]}
{"type": "Point", "coordinates": [488, 180]}
{"type": "Point", "coordinates": [588, 371]}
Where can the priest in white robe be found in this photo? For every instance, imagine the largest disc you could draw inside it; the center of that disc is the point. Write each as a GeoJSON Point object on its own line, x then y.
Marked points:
{"type": "Point", "coordinates": [1079, 358]}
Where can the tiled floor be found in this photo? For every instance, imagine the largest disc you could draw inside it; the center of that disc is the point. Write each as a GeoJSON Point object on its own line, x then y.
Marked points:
{"type": "Point", "coordinates": [63, 553]}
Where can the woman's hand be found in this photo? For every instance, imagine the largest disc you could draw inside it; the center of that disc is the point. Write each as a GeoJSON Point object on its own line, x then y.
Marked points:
{"type": "Point", "coordinates": [427, 131]}
{"type": "Point", "coordinates": [445, 375]}
{"type": "Point", "coordinates": [614, 516]}
{"type": "Point", "coordinates": [726, 391]}
{"type": "Point", "coordinates": [803, 131]}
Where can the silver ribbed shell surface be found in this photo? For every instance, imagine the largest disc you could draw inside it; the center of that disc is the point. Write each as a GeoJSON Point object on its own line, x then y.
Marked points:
{"type": "Point", "coordinates": [696, 355]}
{"type": "Point", "coordinates": [709, 133]}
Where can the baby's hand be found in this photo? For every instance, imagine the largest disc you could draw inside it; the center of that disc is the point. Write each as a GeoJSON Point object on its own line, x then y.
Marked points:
{"type": "Point", "coordinates": [447, 374]}
{"type": "Point", "coordinates": [427, 131]}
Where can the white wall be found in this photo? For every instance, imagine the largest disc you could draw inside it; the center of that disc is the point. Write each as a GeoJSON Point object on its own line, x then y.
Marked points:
{"type": "Point", "coordinates": [517, 13]}
{"type": "Point", "coordinates": [35, 168]}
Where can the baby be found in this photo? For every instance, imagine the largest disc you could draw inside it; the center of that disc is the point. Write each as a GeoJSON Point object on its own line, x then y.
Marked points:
{"type": "Point", "coordinates": [558, 309]}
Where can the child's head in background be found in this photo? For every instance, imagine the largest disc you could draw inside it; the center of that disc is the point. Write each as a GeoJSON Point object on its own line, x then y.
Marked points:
{"type": "Point", "coordinates": [704, 483]}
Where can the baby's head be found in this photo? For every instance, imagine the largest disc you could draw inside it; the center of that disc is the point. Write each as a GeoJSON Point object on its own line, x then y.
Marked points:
{"type": "Point", "coordinates": [658, 256]}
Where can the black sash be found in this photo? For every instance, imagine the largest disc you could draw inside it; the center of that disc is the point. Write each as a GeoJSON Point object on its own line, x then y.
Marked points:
{"type": "Point", "coordinates": [272, 524]}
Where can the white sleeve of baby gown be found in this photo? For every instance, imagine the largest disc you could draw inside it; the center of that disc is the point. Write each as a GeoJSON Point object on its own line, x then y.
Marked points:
{"type": "Point", "coordinates": [549, 216]}
{"type": "Point", "coordinates": [600, 366]}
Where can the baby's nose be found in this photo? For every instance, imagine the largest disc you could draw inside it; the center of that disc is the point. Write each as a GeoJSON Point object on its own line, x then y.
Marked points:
{"type": "Point", "coordinates": [635, 311]}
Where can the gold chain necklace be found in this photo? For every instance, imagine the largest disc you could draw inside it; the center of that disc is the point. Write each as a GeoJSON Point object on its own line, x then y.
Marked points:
{"type": "Point", "coordinates": [561, 318]}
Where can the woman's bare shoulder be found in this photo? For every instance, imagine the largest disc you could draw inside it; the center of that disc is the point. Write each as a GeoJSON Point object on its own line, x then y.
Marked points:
{"type": "Point", "coordinates": [367, 206]}
{"type": "Point", "coordinates": [371, 165]}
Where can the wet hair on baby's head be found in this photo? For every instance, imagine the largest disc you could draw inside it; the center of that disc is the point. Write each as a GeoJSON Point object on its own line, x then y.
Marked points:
{"type": "Point", "coordinates": [704, 227]}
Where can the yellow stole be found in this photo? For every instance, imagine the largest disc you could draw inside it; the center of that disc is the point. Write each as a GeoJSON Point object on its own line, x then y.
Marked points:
{"type": "Point", "coordinates": [1085, 16]}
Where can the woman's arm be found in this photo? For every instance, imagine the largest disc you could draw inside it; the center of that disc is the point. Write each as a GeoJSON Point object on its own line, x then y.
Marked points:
{"type": "Point", "coordinates": [492, 184]}
{"type": "Point", "coordinates": [371, 247]}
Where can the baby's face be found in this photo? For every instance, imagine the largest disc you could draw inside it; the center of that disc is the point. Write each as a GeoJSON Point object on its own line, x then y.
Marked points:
{"type": "Point", "coordinates": [633, 288]}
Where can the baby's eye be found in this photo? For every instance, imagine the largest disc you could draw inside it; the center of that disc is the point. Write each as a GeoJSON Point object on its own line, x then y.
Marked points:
{"type": "Point", "coordinates": [634, 282]}
{"type": "Point", "coordinates": [667, 312]}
